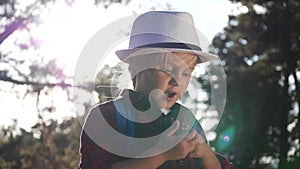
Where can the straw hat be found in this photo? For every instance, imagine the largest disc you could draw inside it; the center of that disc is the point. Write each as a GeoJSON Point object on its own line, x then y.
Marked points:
{"type": "Point", "coordinates": [164, 31]}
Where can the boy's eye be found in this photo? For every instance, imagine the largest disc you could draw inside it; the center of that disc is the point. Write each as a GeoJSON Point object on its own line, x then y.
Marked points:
{"type": "Point", "coordinates": [186, 74]}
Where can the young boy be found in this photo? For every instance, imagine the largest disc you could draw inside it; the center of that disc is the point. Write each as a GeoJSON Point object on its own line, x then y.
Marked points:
{"type": "Point", "coordinates": [154, 130]}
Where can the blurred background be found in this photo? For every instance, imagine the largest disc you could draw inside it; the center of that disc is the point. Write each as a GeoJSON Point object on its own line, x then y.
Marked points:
{"type": "Point", "coordinates": [258, 43]}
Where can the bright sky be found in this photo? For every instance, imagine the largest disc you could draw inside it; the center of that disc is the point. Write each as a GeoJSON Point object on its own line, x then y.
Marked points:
{"type": "Point", "coordinates": [64, 31]}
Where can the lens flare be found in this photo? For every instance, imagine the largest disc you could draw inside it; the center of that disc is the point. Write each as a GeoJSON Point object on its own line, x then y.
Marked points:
{"type": "Point", "coordinates": [226, 138]}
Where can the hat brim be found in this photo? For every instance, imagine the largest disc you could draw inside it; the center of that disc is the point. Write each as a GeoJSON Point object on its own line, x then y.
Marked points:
{"type": "Point", "coordinates": [128, 53]}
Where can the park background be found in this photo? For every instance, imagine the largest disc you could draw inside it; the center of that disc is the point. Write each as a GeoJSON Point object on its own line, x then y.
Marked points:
{"type": "Point", "coordinates": [258, 43]}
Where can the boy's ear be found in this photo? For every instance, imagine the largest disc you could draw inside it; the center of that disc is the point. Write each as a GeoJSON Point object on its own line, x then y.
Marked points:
{"type": "Point", "coordinates": [199, 60]}
{"type": "Point", "coordinates": [134, 82]}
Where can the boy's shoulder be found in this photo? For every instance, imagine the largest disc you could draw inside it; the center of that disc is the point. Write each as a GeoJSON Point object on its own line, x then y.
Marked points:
{"type": "Point", "coordinates": [104, 108]}
{"type": "Point", "coordinates": [182, 108]}
{"type": "Point", "coordinates": [107, 107]}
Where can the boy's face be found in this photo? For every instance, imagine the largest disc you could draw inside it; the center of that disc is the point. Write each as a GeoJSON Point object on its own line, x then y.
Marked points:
{"type": "Point", "coordinates": [167, 84]}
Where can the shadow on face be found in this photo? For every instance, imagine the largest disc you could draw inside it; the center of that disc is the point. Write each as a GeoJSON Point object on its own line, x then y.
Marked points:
{"type": "Point", "coordinates": [169, 79]}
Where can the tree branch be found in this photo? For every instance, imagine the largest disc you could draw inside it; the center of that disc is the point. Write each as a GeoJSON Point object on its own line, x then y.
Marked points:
{"type": "Point", "coordinates": [51, 85]}
{"type": "Point", "coordinates": [11, 28]}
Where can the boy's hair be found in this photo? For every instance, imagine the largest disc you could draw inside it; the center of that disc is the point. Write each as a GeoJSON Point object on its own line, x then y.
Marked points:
{"type": "Point", "coordinates": [132, 70]}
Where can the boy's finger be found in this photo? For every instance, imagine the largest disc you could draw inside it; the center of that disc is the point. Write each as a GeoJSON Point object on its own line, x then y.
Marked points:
{"type": "Point", "coordinates": [173, 128]}
{"type": "Point", "coordinates": [191, 135]}
{"type": "Point", "coordinates": [201, 140]}
{"type": "Point", "coordinates": [193, 154]}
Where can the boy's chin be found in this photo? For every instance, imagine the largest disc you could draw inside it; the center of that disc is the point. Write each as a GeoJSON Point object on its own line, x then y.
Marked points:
{"type": "Point", "coordinates": [163, 103]}
{"type": "Point", "coordinates": [169, 105]}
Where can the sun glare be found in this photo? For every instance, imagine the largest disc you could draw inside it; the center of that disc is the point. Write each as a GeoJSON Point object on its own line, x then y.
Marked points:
{"type": "Point", "coordinates": [64, 30]}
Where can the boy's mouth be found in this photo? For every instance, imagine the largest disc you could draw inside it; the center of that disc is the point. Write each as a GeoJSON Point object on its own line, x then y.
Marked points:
{"type": "Point", "coordinates": [170, 94]}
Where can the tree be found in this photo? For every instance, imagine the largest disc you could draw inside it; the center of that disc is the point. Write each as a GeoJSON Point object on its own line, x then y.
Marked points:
{"type": "Point", "coordinates": [48, 146]}
{"type": "Point", "coordinates": [50, 143]}
{"type": "Point", "coordinates": [106, 82]}
{"type": "Point", "coordinates": [260, 48]}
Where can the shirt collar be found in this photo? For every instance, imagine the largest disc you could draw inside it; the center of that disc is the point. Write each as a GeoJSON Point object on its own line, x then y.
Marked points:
{"type": "Point", "coordinates": [139, 100]}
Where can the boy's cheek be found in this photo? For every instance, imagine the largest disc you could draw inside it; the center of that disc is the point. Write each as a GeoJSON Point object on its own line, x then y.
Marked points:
{"type": "Point", "coordinates": [161, 83]}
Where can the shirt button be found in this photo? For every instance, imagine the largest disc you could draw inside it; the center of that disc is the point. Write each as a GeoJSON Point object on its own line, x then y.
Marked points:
{"type": "Point", "coordinates": [181, 163]}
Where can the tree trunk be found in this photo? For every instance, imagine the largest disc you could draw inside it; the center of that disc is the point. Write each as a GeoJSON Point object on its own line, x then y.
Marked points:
{"type": "Point", "coordinates": [283, 138]}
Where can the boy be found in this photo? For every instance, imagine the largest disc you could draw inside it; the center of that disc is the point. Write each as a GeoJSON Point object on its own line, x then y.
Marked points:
{"type": "Point", "coordinates": [159, 133]}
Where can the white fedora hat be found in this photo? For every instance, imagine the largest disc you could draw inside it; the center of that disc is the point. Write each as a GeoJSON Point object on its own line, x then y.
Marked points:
{"type": "Point", "coordinates": [164, 31]}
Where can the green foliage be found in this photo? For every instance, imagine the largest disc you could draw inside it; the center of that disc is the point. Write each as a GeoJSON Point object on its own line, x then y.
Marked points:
{"type": "Point", "coordinates": [5, 165]}
{"type": "Point", "coordinates": [261, 49]}
{"type": "Point", "coordinates": [50, 146]}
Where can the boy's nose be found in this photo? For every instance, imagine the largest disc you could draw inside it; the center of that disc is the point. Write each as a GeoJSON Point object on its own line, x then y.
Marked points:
{"type": "Point", "coordinates": [174, 81]}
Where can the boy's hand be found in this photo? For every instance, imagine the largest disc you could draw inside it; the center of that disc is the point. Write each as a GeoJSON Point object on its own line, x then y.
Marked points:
{"type": "Point", "coordinates": [200, 150]}
{"type": "Point", "coordinates": [185, 146]}
{"type": "Point", "coordinates": [203, 150]}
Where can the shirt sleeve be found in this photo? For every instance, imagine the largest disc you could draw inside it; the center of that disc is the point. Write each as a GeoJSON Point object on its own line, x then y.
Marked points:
{"type": "Point", "coordinates": [225, 163]}
{"type": "Point", "coordinates": [93, 156]}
